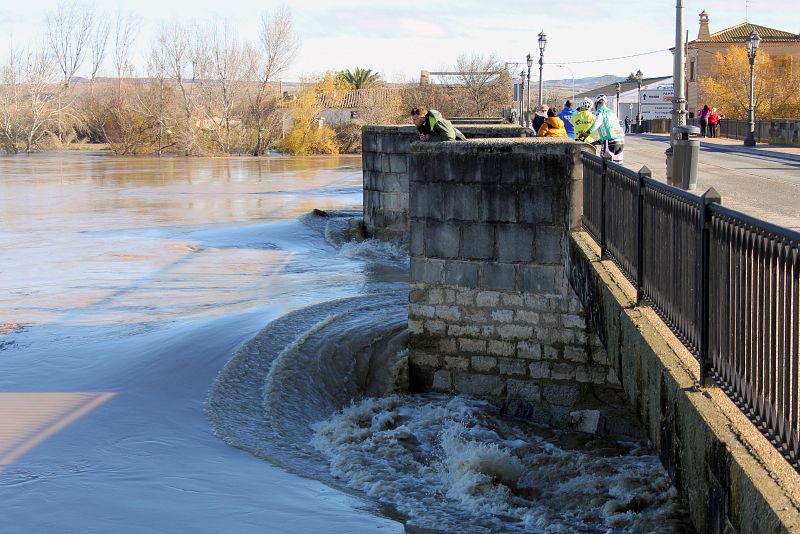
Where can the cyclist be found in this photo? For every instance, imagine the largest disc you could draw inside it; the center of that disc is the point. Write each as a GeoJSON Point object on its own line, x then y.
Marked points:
{"type": "Point", "coordinates": [583, 120]}
{"type": "Point", "coordinates": [607, 131]}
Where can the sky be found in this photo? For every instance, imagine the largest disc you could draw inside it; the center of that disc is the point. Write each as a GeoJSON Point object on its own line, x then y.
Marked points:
{"type": "Point", "coordinates": [399, 39]}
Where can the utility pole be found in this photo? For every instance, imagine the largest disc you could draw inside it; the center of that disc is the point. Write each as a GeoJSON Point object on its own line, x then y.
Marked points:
{"type": "Point", "coordinates": [678, 74]}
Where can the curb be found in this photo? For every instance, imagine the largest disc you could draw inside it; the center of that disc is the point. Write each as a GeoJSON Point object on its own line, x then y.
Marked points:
{"type": "Point", "coordinates": [751, 151]}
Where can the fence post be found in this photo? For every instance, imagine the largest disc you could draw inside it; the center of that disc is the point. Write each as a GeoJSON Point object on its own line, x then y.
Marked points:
{"type": "Point", "coordinates": [606, 159]}
{"type": "Point", "coordinates": [644, 172]}
{"type": "Point", "coordinates": [708, 198]}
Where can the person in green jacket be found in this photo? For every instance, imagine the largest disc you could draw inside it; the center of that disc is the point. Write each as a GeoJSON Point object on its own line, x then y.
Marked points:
{"type": "Point", "coordinates": [433, 127]}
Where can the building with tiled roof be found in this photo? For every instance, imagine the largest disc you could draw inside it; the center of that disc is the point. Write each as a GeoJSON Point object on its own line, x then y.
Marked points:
{"type": "Point", "coordinates": [702, 51]}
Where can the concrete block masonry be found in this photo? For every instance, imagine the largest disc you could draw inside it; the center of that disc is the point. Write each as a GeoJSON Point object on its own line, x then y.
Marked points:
{"type": "Point", "coordinates": [385, 163]}
{"type": "Point", "coordinates": [491, 312]}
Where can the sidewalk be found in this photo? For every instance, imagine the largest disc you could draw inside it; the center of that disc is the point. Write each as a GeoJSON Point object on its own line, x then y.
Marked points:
{"type": "Point", "coordinates": [733, 145]}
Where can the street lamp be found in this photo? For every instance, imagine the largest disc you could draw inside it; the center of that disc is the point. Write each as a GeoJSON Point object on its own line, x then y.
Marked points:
{"type": "Point", "coordinates": [617, 106]}
{"type": "Point", "coordinates": [530, 64]}
{"type": "Point", "coordinates": [639, 77]}
{"type": "Point", "coordinates": [522, 97]}
{"type": "Point", "coordinates": [542, 45]}
{"type": "Point", "coordinates": [753, 40]}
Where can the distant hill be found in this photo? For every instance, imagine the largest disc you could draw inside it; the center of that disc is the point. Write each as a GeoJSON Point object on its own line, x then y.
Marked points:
{"type": "Point", "coordinates": [582, 84]}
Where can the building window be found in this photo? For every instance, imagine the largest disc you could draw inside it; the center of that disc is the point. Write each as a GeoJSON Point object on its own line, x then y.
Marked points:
{"type": "Point", "coordinates": [691, 71]}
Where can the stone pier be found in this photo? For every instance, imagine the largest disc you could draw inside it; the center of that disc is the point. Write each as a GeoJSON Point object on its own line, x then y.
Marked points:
{"type": "Point", "coordinates": [385, 163]}
{"type": "Point", "coordinates": [491, 312]}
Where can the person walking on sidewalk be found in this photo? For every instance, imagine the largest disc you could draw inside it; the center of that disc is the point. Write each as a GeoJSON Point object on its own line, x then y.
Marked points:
{"type": "Point", "coordinates": [565, 115]}
{"type": "Point", "coordinates": [702, 115]}
{"type": "Point", "coordinates": [713, 123]}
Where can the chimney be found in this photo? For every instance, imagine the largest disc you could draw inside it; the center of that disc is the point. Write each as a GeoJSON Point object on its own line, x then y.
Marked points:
{"type": "Point", "coordinates": [703, 33]}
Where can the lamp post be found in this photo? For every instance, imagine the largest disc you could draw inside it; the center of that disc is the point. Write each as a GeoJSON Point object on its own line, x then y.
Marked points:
{"type": "Point", "coordinates": [530, 64]}
{"type": "Point", "coordinates": [542, 45]}
{"type": "Point", "coordinates": [639, 77]}
{"type": "Point", "coordinates": [522, 97]}
{"type": "Point", "coordinates": [617, 106]}
{"type": "Point", "coordinates": [753, 40]}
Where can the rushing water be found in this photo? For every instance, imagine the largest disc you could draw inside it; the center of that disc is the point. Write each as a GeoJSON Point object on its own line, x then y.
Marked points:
{"type": "Point", "coordinates": [133, 294]}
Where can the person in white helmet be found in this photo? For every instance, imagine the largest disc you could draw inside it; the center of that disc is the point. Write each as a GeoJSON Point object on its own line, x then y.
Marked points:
{"type": "Point", "coordinates": [583, 120]}
{"type": "Point", "coordinates": [606, 129]}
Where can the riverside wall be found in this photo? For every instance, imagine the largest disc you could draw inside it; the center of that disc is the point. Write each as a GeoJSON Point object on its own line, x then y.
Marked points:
{"type": "Point", "coordinates": [731, 478]}
{"type": "Point", "coordinates": [385, 164]}
{"type": "Point", "coordinates": [510, 301]}
{"type": "Point", "coordinates": [491, 312]}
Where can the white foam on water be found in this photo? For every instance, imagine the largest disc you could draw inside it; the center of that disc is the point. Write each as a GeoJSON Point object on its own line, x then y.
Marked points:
{"type": "Point", "coordinates": [375, 249]}
{"type": "Point", "coordinates": [454, 464]}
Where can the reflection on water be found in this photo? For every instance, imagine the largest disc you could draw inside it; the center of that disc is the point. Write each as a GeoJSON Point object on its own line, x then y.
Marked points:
{"type": "Point", "coordinates": [140, 277]}
{"type": "Point", "coordinates": [91, 234]}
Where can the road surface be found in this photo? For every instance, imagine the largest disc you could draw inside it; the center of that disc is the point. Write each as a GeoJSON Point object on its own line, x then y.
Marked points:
{"type": "Point", "coordinates": [763, 186]}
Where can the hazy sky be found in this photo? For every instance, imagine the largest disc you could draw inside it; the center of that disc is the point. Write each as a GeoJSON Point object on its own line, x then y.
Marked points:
{"type": "Point", "coordinates": [401, 38]}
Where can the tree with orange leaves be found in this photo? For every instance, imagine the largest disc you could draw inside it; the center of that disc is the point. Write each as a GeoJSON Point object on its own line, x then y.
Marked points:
{"type": "Point", "coordinates": [776, 85]}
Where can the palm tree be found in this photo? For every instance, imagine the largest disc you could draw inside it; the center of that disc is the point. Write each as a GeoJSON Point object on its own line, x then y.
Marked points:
{"type": "Point", "coordinates": [360, 78]}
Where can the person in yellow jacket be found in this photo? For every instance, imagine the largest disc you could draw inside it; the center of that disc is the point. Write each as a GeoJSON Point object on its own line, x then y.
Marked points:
{"type": "Point", "coordinates": [552, 126]}
{"type": "Point", "coordinates": [583, 120]}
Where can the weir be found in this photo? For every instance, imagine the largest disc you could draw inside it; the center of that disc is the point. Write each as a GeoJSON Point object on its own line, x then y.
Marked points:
{"type": "Point", "coordinates": [501, 283]}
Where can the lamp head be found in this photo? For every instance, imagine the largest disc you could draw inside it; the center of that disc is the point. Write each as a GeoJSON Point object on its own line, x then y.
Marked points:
{"type": "Point", "coordinates": [529, 59]}
{"type": "Point", "coordinates": [753, 41]}
{"type": "Point", "coordinates": [542, 41]}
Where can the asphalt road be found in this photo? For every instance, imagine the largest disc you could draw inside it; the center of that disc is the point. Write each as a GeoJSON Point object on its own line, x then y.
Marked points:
{"type": "Point", "coordinates": [766, 187]}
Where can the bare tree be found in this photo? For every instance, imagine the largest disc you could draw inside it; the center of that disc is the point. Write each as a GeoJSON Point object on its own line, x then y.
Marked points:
{"type": "Point", "coordinates": [69, 30]}
{"type": "Point", "coordinates": [156, 104]}
{"type": "Point", "coordinates": [278, 46]}
{"type": "Point", "coordinates": [222, 64]}
{"type": "Point", "coordinates": [126, 28]}
{"type": "Point", "coordinates": [98, 44]}
{"type": "Point", "coordinates": [29, 97]}
{"type": "Point", "coordinates": [175, 41]}
{"type": "Point", "coordinates": [479, 75]}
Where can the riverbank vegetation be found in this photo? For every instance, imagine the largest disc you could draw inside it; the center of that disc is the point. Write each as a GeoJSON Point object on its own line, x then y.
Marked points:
{"type": "Point", "coordinates": [206, 91]}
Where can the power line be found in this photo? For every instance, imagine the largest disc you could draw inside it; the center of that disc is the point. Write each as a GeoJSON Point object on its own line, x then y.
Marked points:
{"type": "Point", "coordinates": [606, 59]}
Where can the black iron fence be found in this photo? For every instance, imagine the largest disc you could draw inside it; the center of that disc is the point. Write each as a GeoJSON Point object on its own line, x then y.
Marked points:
{"type": "Point", "coordinates": [729, 128]}
{"type": "Point", "coordinates": [727, 285]}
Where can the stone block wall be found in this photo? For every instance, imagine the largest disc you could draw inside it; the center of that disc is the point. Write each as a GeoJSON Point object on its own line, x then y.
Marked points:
{"type": "Point", "coordinates": [784, 132]}
{"type": "Point", "coordinates": [385, 159]}
{"type": "Point", "coordinates": [491, 312]}
{"type": "Point", "coordinates": [731, 478]}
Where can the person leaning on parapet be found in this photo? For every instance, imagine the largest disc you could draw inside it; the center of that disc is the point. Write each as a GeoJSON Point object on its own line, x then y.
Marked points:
{"type": "Point", "coordinates": [552, 126]}
{"type": "Point", "coordinates": [433, 127]}
{"type": "Point", "coordinates": [565, 115]}
{"type": "Point", "coordinates": [607, 131]}
{"type": "Point", "coordinates": [583, 120]}
{"type": "Point", "coordinates": [538, 118]}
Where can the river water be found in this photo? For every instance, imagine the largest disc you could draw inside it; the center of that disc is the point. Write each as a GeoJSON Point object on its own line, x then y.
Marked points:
{"type": "Point", "coordinates": [133, 294]}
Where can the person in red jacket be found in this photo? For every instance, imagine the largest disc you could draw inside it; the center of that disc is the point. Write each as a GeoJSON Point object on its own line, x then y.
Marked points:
{"type": "Point", "coordinates": [713, 122]}
{"type": "Point", "coordinates": [552, 126]}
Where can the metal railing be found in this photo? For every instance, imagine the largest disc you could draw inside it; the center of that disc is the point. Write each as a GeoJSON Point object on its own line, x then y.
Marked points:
{"type": "Point", "coordinates": [726, 284]}
{"type": "Point", "coordinates": [728, 128]}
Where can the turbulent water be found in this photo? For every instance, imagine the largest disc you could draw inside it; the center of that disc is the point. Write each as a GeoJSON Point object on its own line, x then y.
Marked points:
{"type": "Point", "coordinates": [143, 286]}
